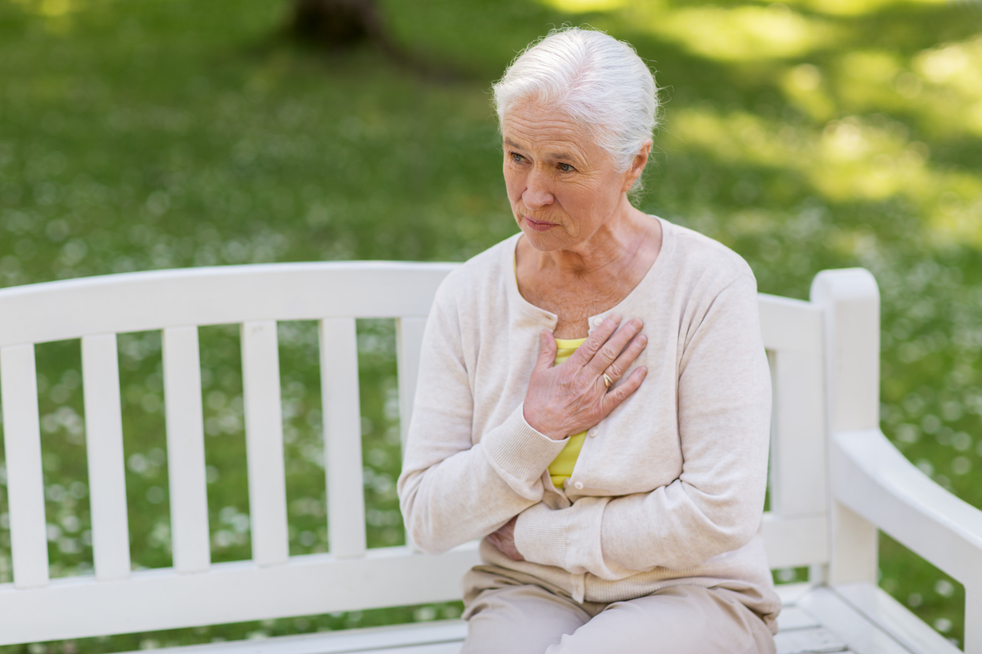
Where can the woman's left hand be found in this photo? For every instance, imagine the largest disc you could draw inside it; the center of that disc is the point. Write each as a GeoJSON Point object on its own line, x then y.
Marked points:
{"type": "Point", "coordinates": [504, 540]}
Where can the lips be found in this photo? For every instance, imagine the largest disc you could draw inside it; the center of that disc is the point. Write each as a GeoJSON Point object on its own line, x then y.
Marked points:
{"type": "Point", "coordinates": [538, 226]}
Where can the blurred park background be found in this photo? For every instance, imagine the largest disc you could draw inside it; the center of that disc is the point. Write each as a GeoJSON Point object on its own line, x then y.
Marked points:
{"type": "Point", "coordinates": [148, 134]}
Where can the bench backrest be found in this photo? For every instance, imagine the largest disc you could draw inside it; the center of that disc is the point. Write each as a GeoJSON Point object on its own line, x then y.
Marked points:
{"type": "Point", "coordinates": [273, 584]}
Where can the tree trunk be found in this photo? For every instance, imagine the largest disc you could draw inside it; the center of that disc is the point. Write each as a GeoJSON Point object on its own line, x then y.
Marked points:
{"type": "Point", "coordinates": [342, 24]}
{"type": "Point", "coordinates": [338, 24]}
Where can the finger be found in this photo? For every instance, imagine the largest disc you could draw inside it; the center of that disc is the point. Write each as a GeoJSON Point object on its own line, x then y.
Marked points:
{"type": "Point", "coordinates": [627, 356]}
{"type": "Point", "coordinates": [584, 353]}
{"type": "Point", "coordinates": [547, 351]}
{"type": "Point", "coordinates": [617, 394]}
{"type": "Point", "coordinates": [611, 349]}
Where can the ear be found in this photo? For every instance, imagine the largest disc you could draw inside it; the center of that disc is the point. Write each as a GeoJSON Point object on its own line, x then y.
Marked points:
{"type": "Point", "coordinates": [637, 166]}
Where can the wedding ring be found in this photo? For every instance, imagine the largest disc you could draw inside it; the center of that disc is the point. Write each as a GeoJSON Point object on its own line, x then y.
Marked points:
{"type": "Point", "coordinates": [607, 380]}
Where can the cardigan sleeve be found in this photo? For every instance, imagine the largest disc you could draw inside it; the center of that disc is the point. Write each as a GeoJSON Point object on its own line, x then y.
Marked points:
{"type": "Point", "coordinates": [456, 485]}
{"type": "Point", "coordinates": [716, 503]}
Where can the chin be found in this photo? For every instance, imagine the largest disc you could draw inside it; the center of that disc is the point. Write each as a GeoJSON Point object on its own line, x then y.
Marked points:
{"type": "Point", "coordinates": [542, 242]}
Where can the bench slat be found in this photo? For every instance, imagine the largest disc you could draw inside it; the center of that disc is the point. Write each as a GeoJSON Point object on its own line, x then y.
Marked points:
{"type": "Point", "coordinates": [849, 624]}
{"type": "Point", "coordinates": [144, 301]}
{"type": "Point", "coordinates": [409, 343]}
{"type": "Point", "coordinates": [186, 449]}
{"type": "Point", "coordinates": [104, 447]}
{"type": "Point", "coordinates": [795, 542]}
{"type": "Point", "coordinates": [231, 592]}
{"type": "Point", "coordinates": [895, 619]}
{"type": "Point", "coordinates": [797, 457]}
{"type": "Point", "coordinates": [25, 483]}
{"type": "Point", "coordinates": [264, 442]}
{"type": "Point", "coordinates": [816, 640]}
{"type": "Point", "coordinates": [788, 324]}
{"type": "Point", "coordinates": [342, 437]}
{"type": "Point", "coordinates": [429, 637]}
{"type": "Point", "coordinates": [792, 618]}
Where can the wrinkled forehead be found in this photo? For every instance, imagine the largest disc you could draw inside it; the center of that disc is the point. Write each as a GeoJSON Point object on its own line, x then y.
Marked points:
{"type": "Point", "coordinates": [548, 128]}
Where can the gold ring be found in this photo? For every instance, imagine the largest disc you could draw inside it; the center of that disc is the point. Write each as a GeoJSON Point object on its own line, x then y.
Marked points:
{"type": "Point", "coordinates": [607, 380]}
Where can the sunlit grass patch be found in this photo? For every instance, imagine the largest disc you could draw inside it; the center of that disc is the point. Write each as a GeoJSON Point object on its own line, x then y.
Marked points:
{"type": "Point", "coordinates": [855, 8]}
{"type": "Point", "coordinates": [940, 87]}
{"type": "Point", "coordinates": [953, 89]}
{"type": "Point", "coordinates": [744, 33]}
{"type": "Point", "coordinates": [851, 159]}
{"type": "Point", "coordinates": [584, 6]}
{"type": "Point", "coordinates": [805, 87]}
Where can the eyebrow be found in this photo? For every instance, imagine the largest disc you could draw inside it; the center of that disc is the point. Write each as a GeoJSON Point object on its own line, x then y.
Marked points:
{"type": "Point", "coordinates": [551, 155]}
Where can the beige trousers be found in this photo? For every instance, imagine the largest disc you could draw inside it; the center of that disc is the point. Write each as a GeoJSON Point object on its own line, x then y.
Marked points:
{"type": "Point", "coordinates": [509, 618]}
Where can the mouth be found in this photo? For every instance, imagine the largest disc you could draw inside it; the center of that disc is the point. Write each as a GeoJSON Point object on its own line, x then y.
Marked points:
{"type": "Point", "coordinates": [538, 225]}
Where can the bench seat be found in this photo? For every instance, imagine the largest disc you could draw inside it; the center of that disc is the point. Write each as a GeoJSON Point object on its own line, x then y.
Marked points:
{"type": "Point", "coordinates": [815, 619]}
{"type": "Point", "coordinates": [439, 637]}
{"type": "Point", "coordinates": [856, 618]}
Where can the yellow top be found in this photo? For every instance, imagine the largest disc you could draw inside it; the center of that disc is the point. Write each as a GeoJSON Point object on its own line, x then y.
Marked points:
{"type": "Point", "coordinates": [561, 467]}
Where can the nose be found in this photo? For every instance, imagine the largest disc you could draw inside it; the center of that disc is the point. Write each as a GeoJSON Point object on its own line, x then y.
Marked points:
{"type": "Point", "coordinates": [537, 192]}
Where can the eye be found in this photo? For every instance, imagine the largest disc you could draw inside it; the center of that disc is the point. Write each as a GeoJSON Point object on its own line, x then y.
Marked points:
{"type": "Point", "coordinates": [566, 168]}
{"type": "Point", "coordinates": [517, 158]}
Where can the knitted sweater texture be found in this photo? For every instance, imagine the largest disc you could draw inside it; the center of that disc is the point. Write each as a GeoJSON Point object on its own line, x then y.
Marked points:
{"type": "Point", "coordinates": [668, 489]}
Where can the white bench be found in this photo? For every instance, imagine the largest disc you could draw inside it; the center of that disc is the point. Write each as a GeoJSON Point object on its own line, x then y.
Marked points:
{"type": "Point", "coordinates": [835, 479]}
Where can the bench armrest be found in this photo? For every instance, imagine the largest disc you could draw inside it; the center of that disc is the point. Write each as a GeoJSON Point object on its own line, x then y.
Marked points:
{"type": "Point", "coordinates": [872, 478]}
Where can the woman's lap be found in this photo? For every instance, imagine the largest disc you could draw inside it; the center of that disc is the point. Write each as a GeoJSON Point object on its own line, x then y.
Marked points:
{"type": "Point", "coordinates": [528, 619]}
{"type": "Point", "coordinates": [520, 620]}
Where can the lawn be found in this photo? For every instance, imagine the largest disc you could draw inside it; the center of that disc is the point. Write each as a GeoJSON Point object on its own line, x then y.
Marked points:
{"type": "Point", "coordinates": [152, 134]}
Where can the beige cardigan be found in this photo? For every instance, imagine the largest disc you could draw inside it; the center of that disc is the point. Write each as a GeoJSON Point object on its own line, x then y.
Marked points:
{"type": "Point", "coordinates": [668, 489]}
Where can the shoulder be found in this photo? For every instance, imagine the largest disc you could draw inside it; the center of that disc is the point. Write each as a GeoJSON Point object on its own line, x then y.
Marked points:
{"type": "Point", "coordinates": [715, 293]}
{"type": "Point", "coordinates": [706, 263]}
{"type": "Point", "coordinates": [478, 277]}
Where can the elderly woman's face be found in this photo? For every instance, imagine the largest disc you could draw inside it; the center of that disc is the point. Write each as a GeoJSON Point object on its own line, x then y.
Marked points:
{"type": "Point", "coordinates": [561, 185]}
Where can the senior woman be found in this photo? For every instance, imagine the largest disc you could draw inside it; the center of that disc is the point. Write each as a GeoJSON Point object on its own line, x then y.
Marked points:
{"type": "Point", "coordinates": [593, 398]}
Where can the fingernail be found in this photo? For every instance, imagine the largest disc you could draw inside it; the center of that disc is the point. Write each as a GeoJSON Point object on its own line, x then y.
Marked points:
{"type": "Point", "coordinates": [616, 317]}
{"type": "Point", "coordinates": [642, 340]}
{"type": "Point", "coordinates": [637, 323]}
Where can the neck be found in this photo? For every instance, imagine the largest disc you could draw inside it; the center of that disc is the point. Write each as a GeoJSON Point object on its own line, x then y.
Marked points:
{"type": "Point", "coordinates": [612, 248]}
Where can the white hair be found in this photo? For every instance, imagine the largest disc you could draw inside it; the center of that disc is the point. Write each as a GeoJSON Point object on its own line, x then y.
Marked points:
{"type": "Point", "coordinates": [597, 80]}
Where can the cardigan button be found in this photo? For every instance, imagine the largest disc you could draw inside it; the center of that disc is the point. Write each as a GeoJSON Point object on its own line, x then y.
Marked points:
{"type": "Point", "coordinates": [578, 485]}
{"type": "Point", "coordinates": [592, 433]}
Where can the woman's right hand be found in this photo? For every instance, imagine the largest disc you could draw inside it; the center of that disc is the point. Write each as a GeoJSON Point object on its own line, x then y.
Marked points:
{"type": "Point", "coordinates": [573, 396]}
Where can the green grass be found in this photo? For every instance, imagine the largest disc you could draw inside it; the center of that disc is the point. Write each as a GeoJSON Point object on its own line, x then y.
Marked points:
{"type": "Point", "coordinates": [155, 134]}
